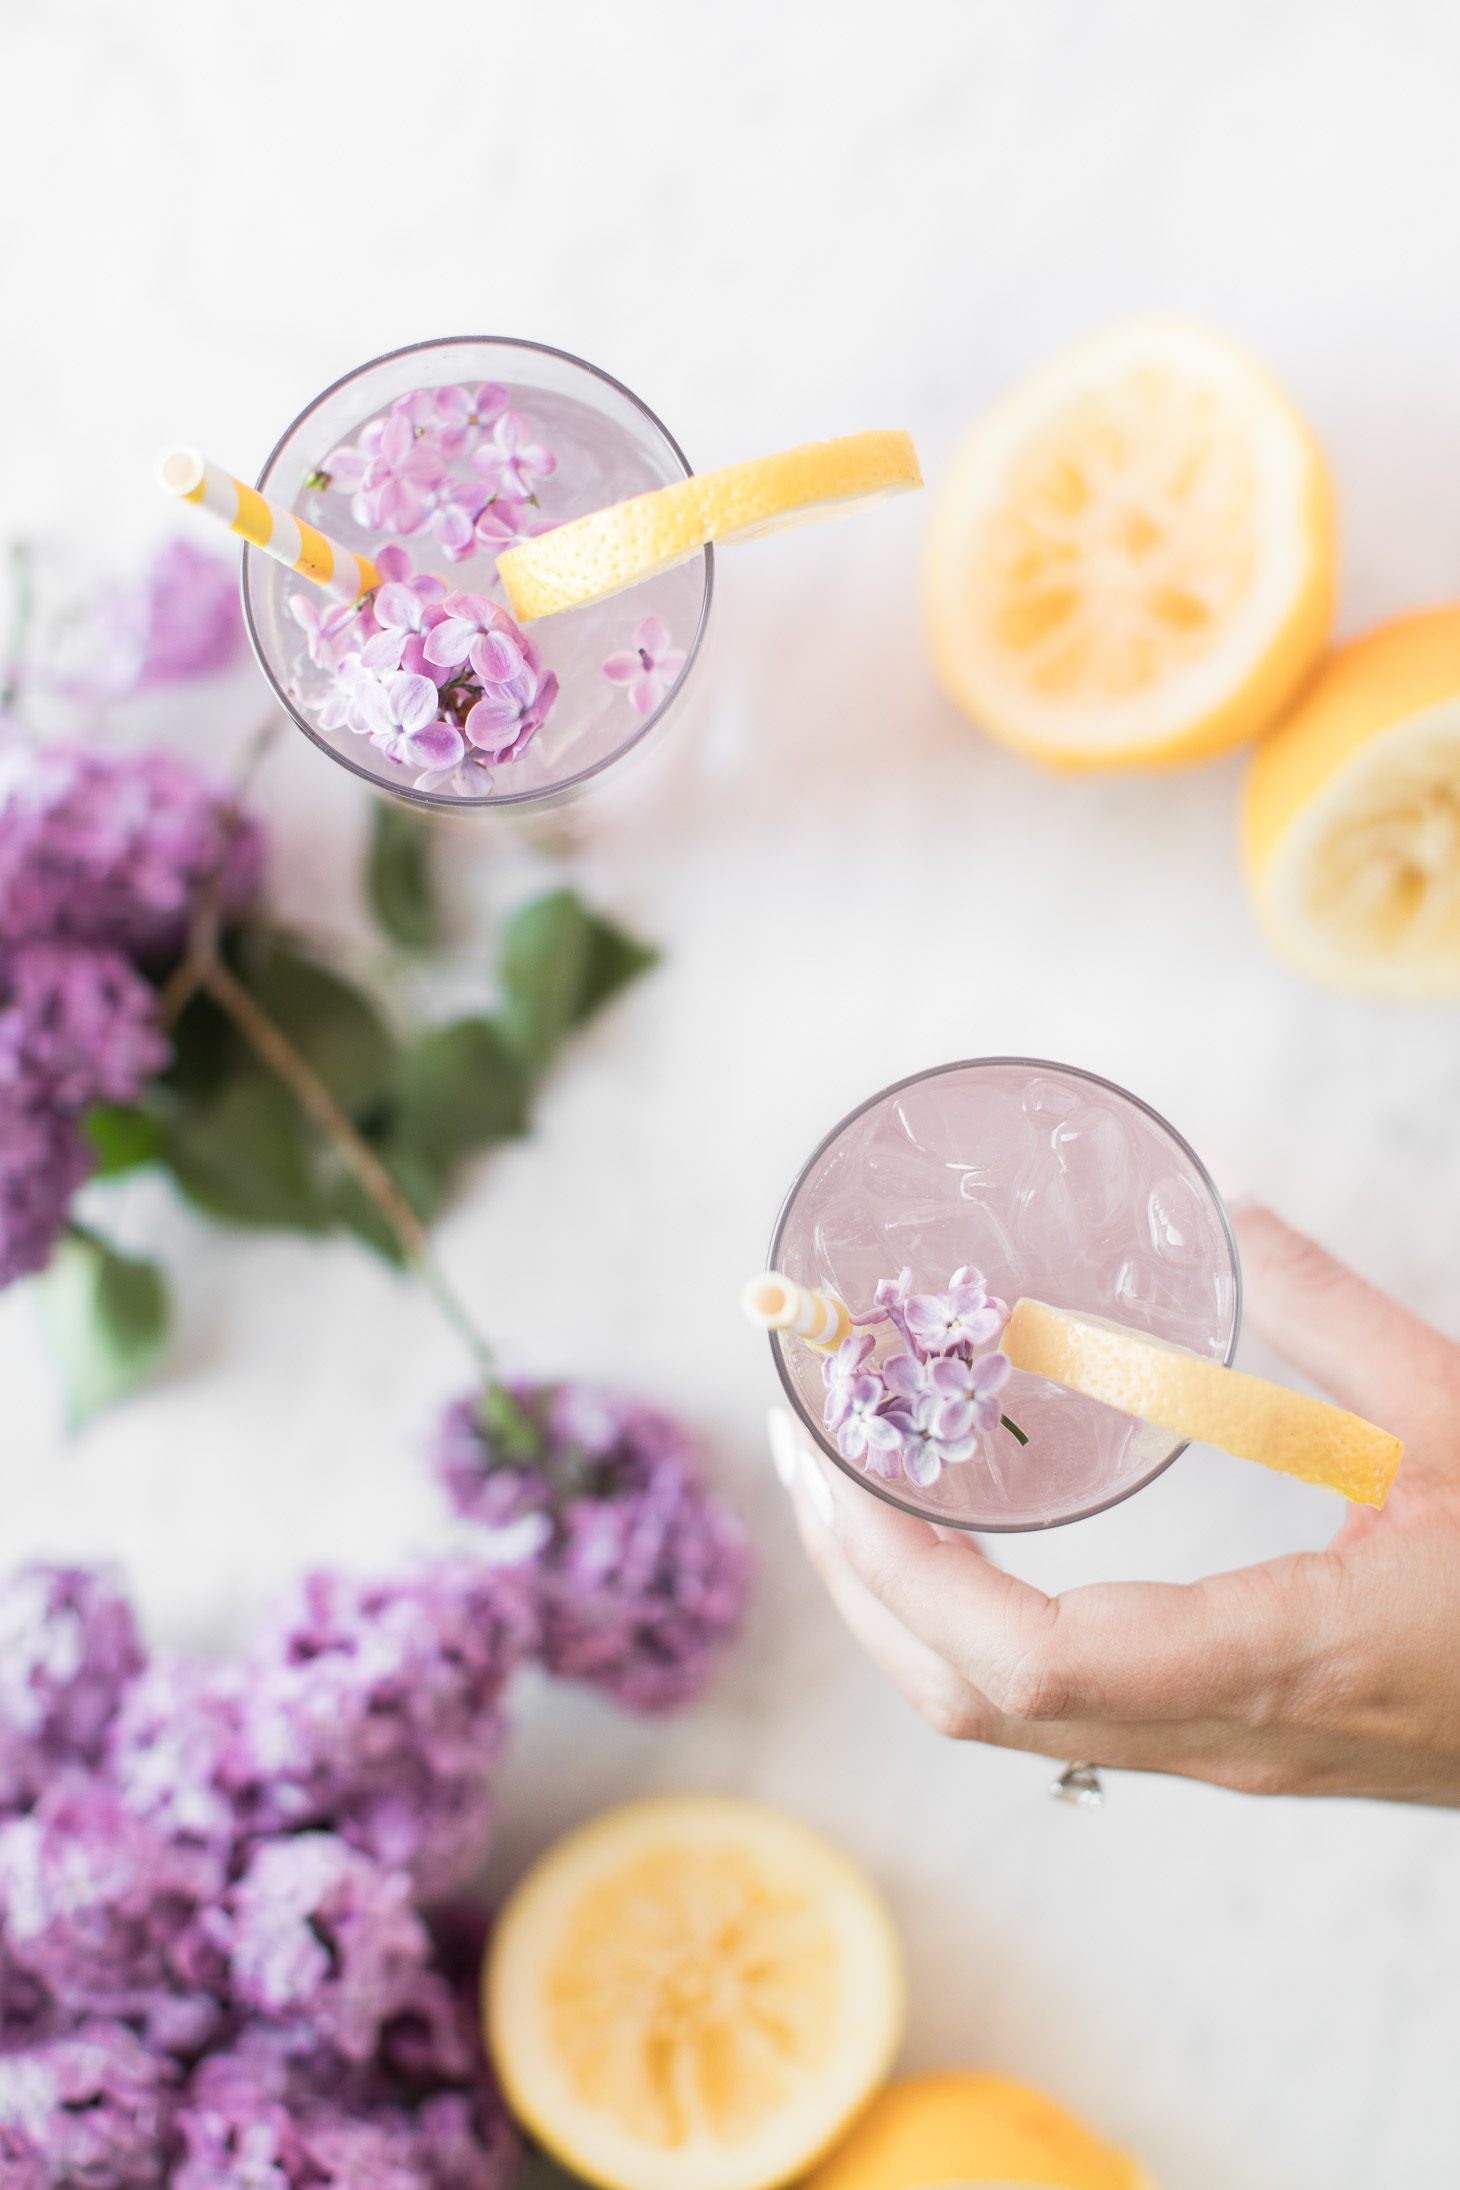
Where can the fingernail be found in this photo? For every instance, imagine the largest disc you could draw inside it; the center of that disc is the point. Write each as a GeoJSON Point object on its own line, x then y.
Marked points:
{"type": "Point", "coordinates": [785, 1446]}
{"type": "Point", "coordinates": [817, 1490]}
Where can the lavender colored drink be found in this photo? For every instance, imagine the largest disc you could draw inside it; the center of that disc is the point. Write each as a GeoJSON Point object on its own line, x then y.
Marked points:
{"type": "Point", "coordinates": [1051, 1183]}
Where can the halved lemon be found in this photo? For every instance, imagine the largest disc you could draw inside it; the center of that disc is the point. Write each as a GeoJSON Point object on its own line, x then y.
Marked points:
{"type": "Point", "coordinates": [962, 2128]}
{"type": "Point", "coordinates": [591, 557]}
{"type": "Point", "coordinates": [1351, 825]}
{"type": "Point", "coordinates": [692, 1994]}
{"type": "Point", "coordinates": [1193, 1396]}
{"type": "Point", "coordinates": [1132, 559]}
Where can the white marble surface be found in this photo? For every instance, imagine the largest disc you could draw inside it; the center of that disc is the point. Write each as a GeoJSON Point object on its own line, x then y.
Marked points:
{"type": "Point", "coordinates": [775, 223]}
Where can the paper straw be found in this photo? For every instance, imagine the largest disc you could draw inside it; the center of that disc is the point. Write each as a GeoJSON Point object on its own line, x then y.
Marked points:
{"type": "Point", "coordinates": [778, 1304]}
{"type": "Point", "coordinates": [278, 532]}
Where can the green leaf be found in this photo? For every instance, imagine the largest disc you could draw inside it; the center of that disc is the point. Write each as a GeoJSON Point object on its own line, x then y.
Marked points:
{"type": "Point", "coordinates": [206, 1048]}
{"type": "Point", "coordinates": [456, 1089]}
{"type": "Point", "coordinates": [122, 1137]}
{"type": "Point", "coordinates": [561, 962]}
{"type": "Point", "coordinates": [247, 1156]}
{"type": "Point", "coordinates": [399, 882]}
{"type": "Point", "coordinates": [105, 1317]}
{"type": "Point", "coordinates": [335, 1028]}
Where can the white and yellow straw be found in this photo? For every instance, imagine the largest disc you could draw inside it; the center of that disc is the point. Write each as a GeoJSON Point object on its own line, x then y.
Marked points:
{"type": "Point", "coordinates": [278, 532]}
{"type": "Point", "coordinates": [777, 1303]}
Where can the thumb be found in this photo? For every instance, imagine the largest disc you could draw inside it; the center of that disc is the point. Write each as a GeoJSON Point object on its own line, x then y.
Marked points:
{"type": "Point", "coordinates": [1353, 1341]}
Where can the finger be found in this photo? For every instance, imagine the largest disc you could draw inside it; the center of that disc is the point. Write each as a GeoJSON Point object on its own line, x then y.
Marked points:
{"type": "Point", "coordinates": [1229, 1754]}
{"type": "Point", "coordinates": [1116, 1652]}
{"type": "Point", "coordinates": [948, 1704]}
{"type": "Point", "coordinates": [1361, 1347]}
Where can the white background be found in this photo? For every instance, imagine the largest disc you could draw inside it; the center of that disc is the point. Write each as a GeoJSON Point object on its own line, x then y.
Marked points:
{"type": "Point", "coordinates": [777, 222]}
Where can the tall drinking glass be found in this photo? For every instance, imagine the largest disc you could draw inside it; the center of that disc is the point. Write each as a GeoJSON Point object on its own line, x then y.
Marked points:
{"type": "Point", "coordinates": [604, 444]}
{"type": "Point", "coordinates": [1054, 1184]}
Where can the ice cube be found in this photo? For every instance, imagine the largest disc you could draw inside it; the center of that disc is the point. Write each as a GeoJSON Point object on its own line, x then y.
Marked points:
{"type": "Point", "coordinates": [1049, 1099]}
{"type": "Point", "coordinates": [1177, 1223]}
{"type": "Point", "coordinates": [1095, 1154]}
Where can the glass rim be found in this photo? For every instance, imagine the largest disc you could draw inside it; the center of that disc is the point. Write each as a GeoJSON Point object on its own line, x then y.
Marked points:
{"type": "Point", "coordinates": [862, 1477]}
{"type": "Point", "coordinates": [443, 801]}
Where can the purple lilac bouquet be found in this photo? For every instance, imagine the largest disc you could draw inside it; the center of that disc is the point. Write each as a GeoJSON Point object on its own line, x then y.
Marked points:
{"type": "Point", "coordinates": [209, 1976]}
{"type": "Point", "coordinates": [443, 684]}
{"type": "Point", "coordinates": [78, 1027]}
{"type": "Point", "coordinates": [103, 858]}
{"type": "Point", "coordinates": [216, 1972]}
{"type": "Point", "coordinates": [916, 1412]}
{"type": "Point", "coordinates": [113, 849]}
{"type": "Point", "coordinates": [641, 1572]}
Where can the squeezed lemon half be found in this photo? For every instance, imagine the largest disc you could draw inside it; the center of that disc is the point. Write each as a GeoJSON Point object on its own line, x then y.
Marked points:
{"type": "Point", "coordinates": [1193, 1396]}
{"type": "Point", "coordinates": [692, 1994]}
{"type": "Point", "coordinates": [959, 2130]}
{"type": "Point", "coordinates": [607, 551]}
{"type": "Point", "coordinates": [1132, 558]}
{"type": "Point", "coordinates": [1351, 824]}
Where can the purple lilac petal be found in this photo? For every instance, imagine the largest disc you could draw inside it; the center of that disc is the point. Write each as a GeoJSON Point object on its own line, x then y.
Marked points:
{"type": "Point", "coordinates": [376, 1708]}
{"type": "Point", "coordinates": [182, 621]}
{"type": "Point", "coordinates": [114, 848]}
{"type": "Point", "coordinates": [68, 1649]}
{"type": "Point", "coordinates": [77, 1027]}
{"type": "Point", "coordinates": [639, 1572]}
{"type": "Point", "coordinates": [43, 1160]}
{"type": "Point", "coordinates": [95, 2102]}
{"type": "Point", "coordinates": [99, 1907]}
{"type": "Point", "coordinates": [317, 1930]}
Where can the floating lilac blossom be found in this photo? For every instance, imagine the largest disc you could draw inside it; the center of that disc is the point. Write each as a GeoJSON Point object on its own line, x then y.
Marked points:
{"type": "Point", "coordinates": [916, 1412]}
{"type": "Point", "coordinates": [444, 684]}
{"type": "Point", "coordinates": [648, 668]}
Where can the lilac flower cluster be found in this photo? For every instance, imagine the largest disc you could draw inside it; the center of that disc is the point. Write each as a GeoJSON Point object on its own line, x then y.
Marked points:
{"type": "Point", "coordinates": [641, 1573]}
{"type": "Point", "coordinates": [213, 1971]}
{"type": "Point", "coordinates": [103, 856]}
{"type": "Point", "coordinates": [457, 462]}
{"type": "Point", "coordinates": [77, 1027]}
{"type": "Point", "coordinates": [444, 684]}
{"type": "Point", "coordinates": [182, 620]}
{"type": "Point", "coordinates": [112, 848]}
{"type": "Point", "coordinates": [916, 1412]}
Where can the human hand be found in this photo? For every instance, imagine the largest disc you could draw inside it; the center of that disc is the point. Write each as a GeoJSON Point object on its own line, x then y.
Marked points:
{"type": "Point", "coordinates": [1333, 1672]}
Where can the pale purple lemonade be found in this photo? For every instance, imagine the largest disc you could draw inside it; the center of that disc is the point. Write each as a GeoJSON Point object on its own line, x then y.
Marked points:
{"type": "Point", "coordinates": [430, 462]}
{"type": "Point", "coordinates": [1037, 1180]}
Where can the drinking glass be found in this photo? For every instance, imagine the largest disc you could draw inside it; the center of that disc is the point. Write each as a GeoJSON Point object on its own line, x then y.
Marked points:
{"type": "Point", "coordinates": [1052, 1183]}
{"type": "Point", "coordinates": [608, 445]}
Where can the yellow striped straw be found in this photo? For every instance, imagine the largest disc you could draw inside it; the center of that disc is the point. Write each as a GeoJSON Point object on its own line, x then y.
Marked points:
{"type": "Point", "coordinates": [777, 1303]}
{"type": "Point", "coordinates": [278, 532]}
